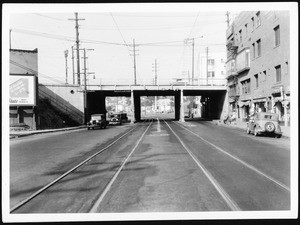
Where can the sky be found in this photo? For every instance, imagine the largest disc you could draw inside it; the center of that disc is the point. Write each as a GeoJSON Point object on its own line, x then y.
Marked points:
{"type": "Point", "coordinates": [158, 34]}
{"type": "Point", "coordinates": [159, 31]}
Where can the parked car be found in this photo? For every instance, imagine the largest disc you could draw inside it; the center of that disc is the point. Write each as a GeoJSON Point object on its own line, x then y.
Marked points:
{"type": "Point", "coordinates": [115, 119]}
{"type": "Point", "coordinates": [124, 116]}
{"type": "Point", "coordinates": [97, 120]}
{"type": "Point", "coordinates": [264, 123]}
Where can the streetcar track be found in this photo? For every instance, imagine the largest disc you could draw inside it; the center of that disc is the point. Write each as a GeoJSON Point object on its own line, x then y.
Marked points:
{"type": "Point", "coordinates": [108, 186]}
{"type": "Point", "coordinates": [238, 160]}
{"type": "Point", "coordinates": [38, 192]}
{"type": "Point", "coordinates": [230, 202]}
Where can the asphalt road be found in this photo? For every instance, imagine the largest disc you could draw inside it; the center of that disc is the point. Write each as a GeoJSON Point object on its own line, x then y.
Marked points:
{"type": "Point", "coordinates": [173, 167]}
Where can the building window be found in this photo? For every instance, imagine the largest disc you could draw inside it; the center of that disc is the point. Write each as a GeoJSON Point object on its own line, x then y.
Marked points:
{"type": "Point", "coordinates": [211, 74]}
{"type": "Point", "coordinates": [245, 86]}
{"type": "Point", "coordinates": [211, 62]}
{"type": "Point", "coordinates": [277, 35]}
{"type": "Point", "coordinates": [253, 24]}
{"type": "Point", "coordinates": [246, 29]}
{"type": "Point", "coordinates": [241, 36]}
{"type": "Point", "coordinates": [253, 50]}
{"type": "Point", "coordinates": [278, 73]}
{"type": "Point", "coordinates": [247, 58]}
{"type": "Point", "coordinates": [258, 42]}
{"type": "Point", "coordinates": [265, 74]}
{"type": "Point", "coordinates": [256, 80]}
{"type": "Point", "coordinates": [258, 19]}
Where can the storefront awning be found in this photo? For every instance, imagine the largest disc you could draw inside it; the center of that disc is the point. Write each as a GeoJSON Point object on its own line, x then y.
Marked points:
{"type": "Point", "coordinates": [246, 103]}
{"type": "Point", "coordinates": [29, 111]}
{"type": "Point", "coordinates": [259, 100]}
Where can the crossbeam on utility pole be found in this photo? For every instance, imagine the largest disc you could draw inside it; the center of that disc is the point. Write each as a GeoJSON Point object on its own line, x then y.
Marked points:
{"type": "Point", "coordinates": [77, 46]}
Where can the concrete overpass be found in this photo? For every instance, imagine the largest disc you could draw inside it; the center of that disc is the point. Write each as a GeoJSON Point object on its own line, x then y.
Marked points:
{"type": "Point", "coordinates": [213, 97]}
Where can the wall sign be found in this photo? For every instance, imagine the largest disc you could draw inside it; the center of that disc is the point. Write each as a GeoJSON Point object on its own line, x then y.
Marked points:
{"type": "Point", "coordinates": [22, 90]}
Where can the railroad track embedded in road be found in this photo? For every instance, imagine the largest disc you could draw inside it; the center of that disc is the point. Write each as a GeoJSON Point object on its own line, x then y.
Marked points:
{"type": "Point", "coordinates": [94, 206]}
{"type": "Point", "coordinates": [44, 188]}
{"type": "Point", "coordinates": [280, 184]}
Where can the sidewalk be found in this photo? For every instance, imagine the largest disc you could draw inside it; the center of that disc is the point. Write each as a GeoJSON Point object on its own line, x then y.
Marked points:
{"type": "Point", "coordinates": [16, 134]}
{"type": "Point", "coordinates": [243, 126]}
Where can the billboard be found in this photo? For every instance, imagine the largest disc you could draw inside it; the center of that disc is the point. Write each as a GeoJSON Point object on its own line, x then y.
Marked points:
{"type": "Point", "coordinates": [22, 90]}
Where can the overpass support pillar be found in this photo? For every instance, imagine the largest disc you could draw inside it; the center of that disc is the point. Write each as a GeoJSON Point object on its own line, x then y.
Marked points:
{"type": "Point", "coordinates": [132, 108]}
{"type": "Point", "coordinates": [181, 107]}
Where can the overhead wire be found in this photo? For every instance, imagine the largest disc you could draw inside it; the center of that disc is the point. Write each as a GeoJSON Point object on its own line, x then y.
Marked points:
{"type": "Point", "coordinates": [185, 45]}
{"type": "Point", "coordinates": [34, 71]}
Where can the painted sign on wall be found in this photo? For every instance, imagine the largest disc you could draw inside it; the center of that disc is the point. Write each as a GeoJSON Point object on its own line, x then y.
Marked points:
{"type": "Point", "coordinates": [22, 91]}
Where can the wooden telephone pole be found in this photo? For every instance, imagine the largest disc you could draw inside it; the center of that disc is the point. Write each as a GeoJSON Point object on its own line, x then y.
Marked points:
{"type": "Point", "coordinates": [77, 47]}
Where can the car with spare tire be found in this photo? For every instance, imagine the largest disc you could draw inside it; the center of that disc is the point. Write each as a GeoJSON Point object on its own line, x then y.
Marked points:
{"type": "Point", "coordinates": [264, 123]}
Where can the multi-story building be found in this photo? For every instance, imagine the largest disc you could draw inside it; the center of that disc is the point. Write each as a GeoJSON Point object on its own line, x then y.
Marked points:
{"type": "Point", "coordinates": [212, 68]}
{"type": "Point", "coordinates": [257, 67]}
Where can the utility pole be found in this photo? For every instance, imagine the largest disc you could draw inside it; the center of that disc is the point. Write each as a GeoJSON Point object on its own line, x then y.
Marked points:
{"type": "Point", "coordinates": [227, 18]}
{"type": "Point", "coordinates": [134, 66]}
{"type": "Point", "coordinates": [9, 39]}
{"type": "Point", "coordinates": [85, 88]}
{"type": "Point", "coordinates": [73, 65]}
{"type": "Point", "coordinates": [155, 83]}
{"type": "Point", "coordinates": [206, 65]}
{"type": "Point", "coordinates": [66, 56]}
{"type": "Point", "coordinates": [77, 46]}
{"type": "Point", "coordinates": [193, 44]}
{"type": "Point", "coordinates": [155, 71]}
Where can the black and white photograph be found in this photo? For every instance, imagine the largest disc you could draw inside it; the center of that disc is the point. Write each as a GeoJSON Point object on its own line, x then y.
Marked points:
{"type": "Point", "coordinates": [149, 111]}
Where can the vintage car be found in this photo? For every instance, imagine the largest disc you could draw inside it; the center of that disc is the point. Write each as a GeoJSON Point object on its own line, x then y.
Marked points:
{"type": "Point", "coordinates": [264, 123]}
{"type": "Point", "coordinates": [124, 116]}
{"type": "Point", "coordinates": [97, 120]}
{"type": "Point", "coordinates": [115, 119]}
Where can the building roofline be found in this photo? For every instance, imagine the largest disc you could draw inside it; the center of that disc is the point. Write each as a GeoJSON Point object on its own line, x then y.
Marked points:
{"type": "Point", "coordinates": [23, 50]}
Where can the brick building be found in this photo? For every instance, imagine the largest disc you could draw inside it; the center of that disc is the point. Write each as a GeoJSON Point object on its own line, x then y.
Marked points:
{"type": "Point", "coordinates": [257, 67]}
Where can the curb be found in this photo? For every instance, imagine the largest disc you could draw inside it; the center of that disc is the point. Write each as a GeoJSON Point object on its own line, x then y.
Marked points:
{"type": "Point", "coordinates": [239, 128]}
{"type": "Point", "coordinates": [12, 136]}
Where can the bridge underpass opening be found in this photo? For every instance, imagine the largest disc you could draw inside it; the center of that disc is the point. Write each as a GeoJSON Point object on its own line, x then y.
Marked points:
{"type": "Point", "coordinates": [157, 107]}
{"type": "Point", "coordinates": [161, 94]}
{"type": "Point", "coordinates": [204, 104]}
{"type": "Point", "coordinates": [105, 102]}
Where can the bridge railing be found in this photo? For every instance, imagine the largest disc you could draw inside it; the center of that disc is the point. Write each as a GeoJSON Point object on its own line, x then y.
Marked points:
{"type": "Point", "coordinates": [150, 81]}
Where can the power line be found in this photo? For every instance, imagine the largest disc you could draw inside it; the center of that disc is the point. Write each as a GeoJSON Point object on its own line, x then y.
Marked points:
{"type": "Point", "coordinates": [119, 30]}
{"type": "Point", "coordinates": [153, 28]}
{"type": "Point", "coordinates": [50, 17]}
{"type": "Point", "coordinates": [188, 37]}
{"type": "Point", "coordinates": [35, 72]}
